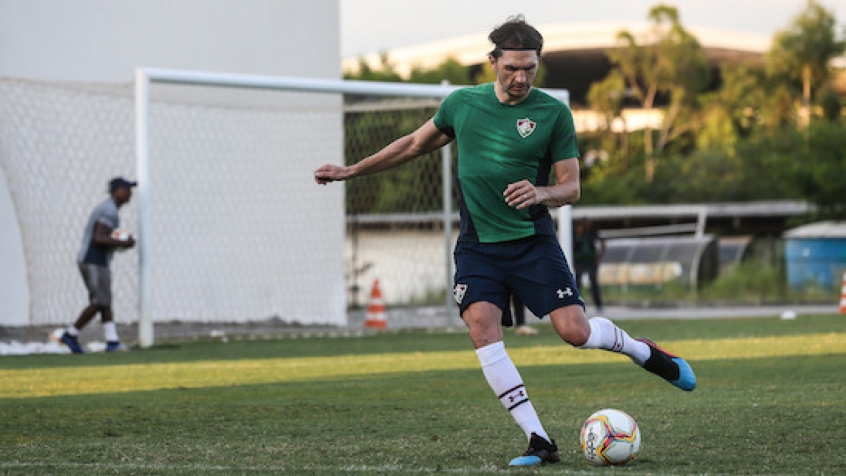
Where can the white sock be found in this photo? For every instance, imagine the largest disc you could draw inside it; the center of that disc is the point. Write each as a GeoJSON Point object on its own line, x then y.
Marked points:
{"type": "Point", "coordinates": [72, 331]}
{"type": "Point", "coordinates": [507, 384]}
{"type": "Point", "coordinates": [604, 334]}
{"type": "Point", "coordinates": [110, 330]}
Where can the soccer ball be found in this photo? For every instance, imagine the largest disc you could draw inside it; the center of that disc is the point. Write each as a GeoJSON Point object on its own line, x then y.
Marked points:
{"type": "Point", "coordinates": [610, 437]}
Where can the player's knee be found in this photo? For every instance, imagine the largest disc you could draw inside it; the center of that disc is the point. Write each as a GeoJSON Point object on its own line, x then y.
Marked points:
{"type": "Point", "coordinates": [577, 337]}
{"type": "Point", "coordinates": [571, 325]}
{"type": "Point", "coordinates": [105, 311]}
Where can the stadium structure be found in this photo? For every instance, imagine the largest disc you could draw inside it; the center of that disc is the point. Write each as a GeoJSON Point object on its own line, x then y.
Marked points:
{"type": "Point", "coordinates": [574, 57]}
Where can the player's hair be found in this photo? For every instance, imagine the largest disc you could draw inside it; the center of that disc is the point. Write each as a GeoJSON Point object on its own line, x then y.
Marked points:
{"type": "Point", "coordinates": [515, 34]}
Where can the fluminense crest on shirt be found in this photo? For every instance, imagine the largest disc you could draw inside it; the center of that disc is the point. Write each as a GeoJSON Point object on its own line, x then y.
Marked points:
{"type": "Point", "coordinates": [525, 127]}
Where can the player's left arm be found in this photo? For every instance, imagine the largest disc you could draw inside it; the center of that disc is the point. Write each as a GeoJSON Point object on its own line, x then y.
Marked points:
{"type": "Point", "coordinates": [567, 188]}
{"type": "Point", "coordinates": [566, 191]}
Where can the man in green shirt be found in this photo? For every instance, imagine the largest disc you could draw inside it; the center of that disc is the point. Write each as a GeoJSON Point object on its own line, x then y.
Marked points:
{"type": "Point", "coordinates": [510, 136]}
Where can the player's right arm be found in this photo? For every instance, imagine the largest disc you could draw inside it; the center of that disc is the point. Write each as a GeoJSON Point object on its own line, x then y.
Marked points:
{"type": "Point", "coordinates": [425, 139]}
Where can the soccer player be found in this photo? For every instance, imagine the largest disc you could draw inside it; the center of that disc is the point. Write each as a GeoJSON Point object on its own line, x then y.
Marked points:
{"type": "Point", "coordinates": [517, 318]}
{"type": "Point", "coordinates": [93, 260]}
{"type": "Point", "coordinates": [509, 137]}
{"type": "Point", "coordinates": [588, 249]}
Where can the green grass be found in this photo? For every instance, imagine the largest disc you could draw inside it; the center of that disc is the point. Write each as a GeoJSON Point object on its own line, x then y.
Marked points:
{"type": "Point", "coordinates": [771, 400]}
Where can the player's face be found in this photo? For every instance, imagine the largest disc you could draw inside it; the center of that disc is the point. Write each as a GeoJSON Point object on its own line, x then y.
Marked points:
{"type": "Point", "coordinates": [515, 73]}
{"type": "Point", "coordinates": [122, 195]}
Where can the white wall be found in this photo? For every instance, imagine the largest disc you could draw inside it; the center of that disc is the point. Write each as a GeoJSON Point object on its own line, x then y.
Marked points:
{"type": "Point", "coordinates": [14, 292]}
{"type": "Point", "coordinates": [105, 40]}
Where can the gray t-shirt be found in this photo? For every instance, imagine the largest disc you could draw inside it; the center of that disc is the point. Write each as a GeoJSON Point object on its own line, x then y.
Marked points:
{"type": "Point", "coordinates": [91, 253]}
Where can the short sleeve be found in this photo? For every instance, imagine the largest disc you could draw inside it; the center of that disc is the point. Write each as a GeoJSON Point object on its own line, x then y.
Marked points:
{"type": "Point", "coordinates": [109, 218]}
{"type": "Point", "coordinates": [564, 142]}
{"type": "Point", "coordinates": [445, 115]}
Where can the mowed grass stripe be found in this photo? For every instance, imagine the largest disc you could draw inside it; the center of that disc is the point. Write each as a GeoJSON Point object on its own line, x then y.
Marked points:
{"type": "Point", "coordinates": [29, 383]}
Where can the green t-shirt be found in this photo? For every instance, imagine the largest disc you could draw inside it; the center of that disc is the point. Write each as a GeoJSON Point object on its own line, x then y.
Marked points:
{"type": "Point", "coordinates": [499, 144]}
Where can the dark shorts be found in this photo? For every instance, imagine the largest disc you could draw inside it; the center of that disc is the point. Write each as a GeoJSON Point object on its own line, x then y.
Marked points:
{"type": "Point", "coordinates": [533, 268]}
{"type": "Point", "coordinates": [98, 281]}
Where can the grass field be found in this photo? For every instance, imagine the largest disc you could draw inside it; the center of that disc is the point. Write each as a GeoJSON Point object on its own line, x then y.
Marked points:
{"type": "Point", "coordinates": [771, 400]}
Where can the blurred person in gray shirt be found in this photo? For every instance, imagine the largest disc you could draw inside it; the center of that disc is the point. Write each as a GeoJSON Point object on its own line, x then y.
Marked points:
{"type": "Point", "coordinates": [101, 237]}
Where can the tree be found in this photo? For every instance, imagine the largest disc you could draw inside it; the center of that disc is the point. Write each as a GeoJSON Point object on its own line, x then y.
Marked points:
{"type": "Point", "coordinates": [747, 101]}
{"type": "Point", "coordinates": [450, 70]}
{"type": "Point", "coordinates": [385, 72]}
{"type": "Point", "coordinates": [669, 62]}
{"type": "Point", "coordinates": [803, 51]}
{"type": "Point", "coordinates": [606, 98]}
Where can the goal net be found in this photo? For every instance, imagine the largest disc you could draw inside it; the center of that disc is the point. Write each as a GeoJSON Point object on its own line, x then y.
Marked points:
{"type": "Point", "coordinates": [231, 226]}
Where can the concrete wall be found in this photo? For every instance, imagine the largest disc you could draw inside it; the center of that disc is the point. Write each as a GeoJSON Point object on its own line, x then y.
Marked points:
{"type": "Point", "coordinates": [14, 292]}
{"type": "Point", "coordinates": [105, 40]}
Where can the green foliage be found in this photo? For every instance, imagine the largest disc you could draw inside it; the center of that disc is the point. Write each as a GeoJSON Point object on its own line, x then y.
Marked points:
{"type": "Point", "coordinates": [757, 280]}
{"type": "Point", "coordinates": [414, 187]}
{"type": "Point", "coordinates": [670, 63]}
{"type": "Point", "coordinates": [819, 169]}
{"type": "Point", "coordinates": [753, 281]}
{"type": "Point", "coordinates": [782, 163]}
{"type": "Point", "coordinates": [806, 46]}
{"type": "Point", "coordinates": [737, 143]}
{"type": "Point", "coordinates": [749, 101]}
{"type": "Point", "coordinates": [450, 70]}
{"type": "Point", "coordinates": [606, 97]}
{"type": "Point", "coordinates": [742, 143]}
{"type": "Point", "coordinates": [385, 71]}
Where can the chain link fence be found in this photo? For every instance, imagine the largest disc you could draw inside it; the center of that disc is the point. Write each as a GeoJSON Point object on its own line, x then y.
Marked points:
{"type": "Point", "coordinates": [395, 224]}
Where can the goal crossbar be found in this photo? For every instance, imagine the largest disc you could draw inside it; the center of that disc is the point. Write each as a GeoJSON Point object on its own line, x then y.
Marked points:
{"type": "Point", "coordinates": [144, 77]}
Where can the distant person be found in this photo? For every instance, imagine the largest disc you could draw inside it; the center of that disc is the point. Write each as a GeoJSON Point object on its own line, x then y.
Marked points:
{"type": "Point", "coordinates": [517, 317]}
{"type": "Point", "coordinates": [510, 136]}
{"type": "Point", "coordinates": [94, 259]}
{"type": "Point", "coordinates": [588, 250]}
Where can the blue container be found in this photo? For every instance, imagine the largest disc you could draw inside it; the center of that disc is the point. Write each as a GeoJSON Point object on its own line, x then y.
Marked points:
{"type": "Point", "coordinates": [818, 261]}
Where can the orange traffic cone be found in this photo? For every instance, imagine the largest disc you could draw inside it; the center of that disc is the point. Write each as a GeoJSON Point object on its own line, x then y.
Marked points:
{"type": "Point", "coordinates": [376, 308]}
{"type": "Point", "coordinates": [843, 295]}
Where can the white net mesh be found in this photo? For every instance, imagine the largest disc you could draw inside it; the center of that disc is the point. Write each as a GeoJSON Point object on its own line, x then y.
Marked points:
{"type": "Point", "coordinates": [235, 214]}
{"type": "Point", "coordinates": [239, 224]}
{"type": "Point", "coordinates": [396, 230]}
{"type": "Point", "coordinates": [59, 146]}
{"type": "Point", "coordinates": [239, 230]}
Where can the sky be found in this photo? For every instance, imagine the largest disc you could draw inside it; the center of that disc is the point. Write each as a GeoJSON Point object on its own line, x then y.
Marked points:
{"type": "Point", "coordinates": [369, 26]}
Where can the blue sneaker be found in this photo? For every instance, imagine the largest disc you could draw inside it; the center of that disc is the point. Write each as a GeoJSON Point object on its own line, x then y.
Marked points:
{"type": "Point", "coordinates": [72, 343]}
{"type": "Point", "coordinates": [112, 346]}
{"type": "Point", "coordinates": [540, 451]}
{"type": "Point", "coordinates": [670, 367]}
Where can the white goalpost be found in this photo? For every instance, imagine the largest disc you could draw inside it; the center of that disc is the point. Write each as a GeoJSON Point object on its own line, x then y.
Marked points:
{"type": "Point", "coordinates": [145, 144]}
{"type": "Point", "coordinates": [146, 76]}
{"type": "Point", "coordinates": [231, 227]}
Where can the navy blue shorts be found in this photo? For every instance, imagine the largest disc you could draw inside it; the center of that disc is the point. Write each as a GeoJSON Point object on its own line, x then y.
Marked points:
{"type": "Point", "coordinates": [533, 268]}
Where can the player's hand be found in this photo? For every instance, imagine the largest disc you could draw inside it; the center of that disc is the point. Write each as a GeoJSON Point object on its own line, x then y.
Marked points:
{"type": "Point", "coordinates": [521, 194]}
{"type": "Point", "coordinates": [330, 173]}
{"type": "Point", "coordinates": [128, 243]}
